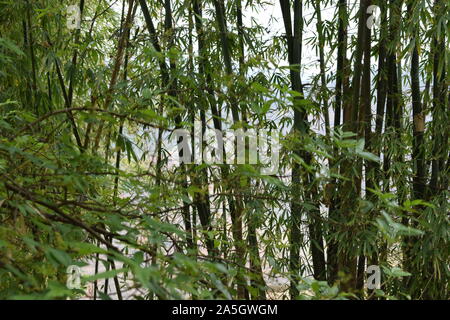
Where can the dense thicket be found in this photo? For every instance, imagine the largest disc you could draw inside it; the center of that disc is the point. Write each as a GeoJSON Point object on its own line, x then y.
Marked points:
{"type": "Point", "coordinates": [89, 166]}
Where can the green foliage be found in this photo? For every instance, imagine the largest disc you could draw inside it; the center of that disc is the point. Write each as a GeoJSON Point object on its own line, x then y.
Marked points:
{"type": "Point", "coordinates": [87, 148]}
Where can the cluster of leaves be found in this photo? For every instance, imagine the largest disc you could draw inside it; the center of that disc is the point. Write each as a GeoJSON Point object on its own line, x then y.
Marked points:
{"type": "Point", "coordinates": [87, 181]}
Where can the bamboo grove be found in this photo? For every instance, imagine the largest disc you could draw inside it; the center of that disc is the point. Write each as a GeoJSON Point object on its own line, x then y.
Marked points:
{"type": "Point", "coordinates": [88, 178]}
